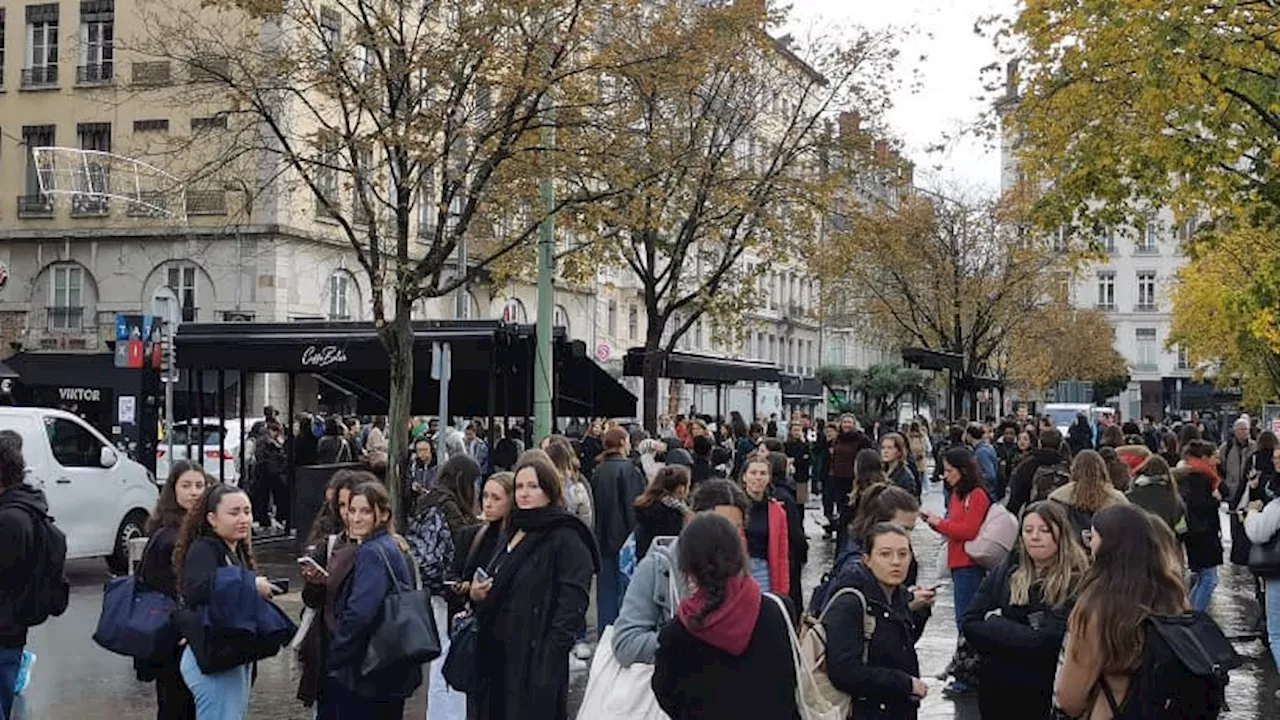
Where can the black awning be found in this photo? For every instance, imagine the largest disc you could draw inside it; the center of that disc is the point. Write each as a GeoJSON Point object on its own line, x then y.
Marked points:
{"type": "Point", "coordinates": [933, 360]}
{"type": "Point", "coordinates": [71, 369]}
{"type": "Point", "coordinates": [312, 347]}
{"type": "Point", "coordinates": [7, 373]}
{"type": "Point", "coordinates": [586, 390]}
{"type": "Point", "coordinates": [704, 369]}
{"type": "Point", "coordinates": [801, 388]}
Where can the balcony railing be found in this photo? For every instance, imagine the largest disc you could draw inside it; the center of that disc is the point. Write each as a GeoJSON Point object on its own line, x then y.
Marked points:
{"type": "Point", "coordinates": [65, 319]}
{"type": "Point", "coordinates": [35, 206]}
{"type": "Point", "coordinates": [158, 72]}
{"type": "Point", "coordinates": [99, 74]}
{"type": "Point", "coordinates": [1145, 307]}
{"type": "Point", "coordinates": [40, 77]}
{"type": "Point", "coordinates": [83, 205]}
{"type": "Point", "coordinates": [148, 203]}
{"type": "Point", "coordinates": [1105, 307]}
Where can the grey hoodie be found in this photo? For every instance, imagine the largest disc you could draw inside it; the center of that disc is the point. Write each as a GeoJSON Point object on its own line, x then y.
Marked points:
{"type": "Point", "coordinates": [648, 604]}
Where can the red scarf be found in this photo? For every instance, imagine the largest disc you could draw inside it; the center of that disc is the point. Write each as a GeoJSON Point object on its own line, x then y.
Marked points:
{"type": "Point", "coordinates": [1205, 466]}
{"type": "Point", "coordinates": [730, 626]}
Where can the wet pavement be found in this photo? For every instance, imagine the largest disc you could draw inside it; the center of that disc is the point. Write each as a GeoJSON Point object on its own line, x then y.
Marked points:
{"type": "Point", "coordinates": [75, 679]}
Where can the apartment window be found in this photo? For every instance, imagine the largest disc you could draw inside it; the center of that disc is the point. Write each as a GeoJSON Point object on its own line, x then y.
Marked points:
{"type": "Point", "coordinates": [1149, 236]}
{"type": "Point", "coordinates": [428, 198]}
{"type": "Point", "coordinates": [813, 358]}
{"type": "Point", "coordinates": [326, 178]}
{"type": "Point", "coordinates": [339, 291]}
{"type": "Point", "coordinates": [1106, 290]}
{"type": "Point", "coordinates": [330, 30]}
{"type": "Point", "coordinates": [42, 46]}
{"type": "Point", "coordinates": [697, 334]}
{"type": "Point", "coordinates": [633, 322]}
{"type": "Point", "coordinates": [182, 281]}
{"type": "Point", "coordinates": [66, 299]}
{"type": "Point", "coordinates": [95, 137]}
{"type": "Point", "coordinates": [214, 122]}
{"type": "Point", "coordinates": [1147, 350]}
{"type": "Point", "coordinates": [97, 41]}
{"type": "Point", "coordinates": [1146, 290]}
{"type": "Point", "coordinates": [35, 136]}
{"type": "Point", "coordinates": [150, 126]}
{"type": "Point", "coordinates": [1109, 240]}
{"type": "Point", "coordinates": [773, 348]}
{"type": "Point", "coordinates": [560, 318]}
{"type": "Point", "coordinates": [1184, 361]}
{"type": "Point", "coordinates": [363, 173]}
{"type": "Point", "coordinates": [611, 318]}
{"type": "Point", "coordinates": [363, 62]}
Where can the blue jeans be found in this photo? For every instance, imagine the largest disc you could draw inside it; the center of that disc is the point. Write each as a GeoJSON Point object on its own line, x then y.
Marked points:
{"type": "Point", "coordinates": [10, 661]}
{"type": "Point", "coordinates": [1273, 617]}
{"type": "Point", "coordinates": [1206, 581]}
{"type": "Point", "coordinates": [221, 696]}
{"type": "Point", "coordinates": [965, 583]}
{"type": "Point", "coordinates": [608, 595]}
{"type": "Point", "coordinates": [760, 571]}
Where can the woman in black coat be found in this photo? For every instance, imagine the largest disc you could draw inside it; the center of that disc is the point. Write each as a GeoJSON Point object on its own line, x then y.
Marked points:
{"type": "Point", "coordinates": [880, 672]}
{"type": "Point", "coordinates": [728, 652]}
{"type": "Point", "coordinates": [535, 601]}
{"type": "Point", "coordinates": [1199, 484]}
{"type": "Point", "coordinates": [181, 492]}
{"type": "Point", "coordinates": [1018, 619]}
{"type": "Point", "coordinates": [661, 510]}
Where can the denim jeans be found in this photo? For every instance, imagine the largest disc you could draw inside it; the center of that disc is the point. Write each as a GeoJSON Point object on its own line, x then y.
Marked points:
{"type": "Point", "coordinates": [1273, 617]}
{"type": "Point", "coordinates": [608, 597]}
{"type": "Point", "coordinates": [10, 661]}
{"type": "Point", "coordinates": [221, 696]}
{"type": "Point", "coordinates": [760, 571]}
{"type": "Point", "coordinates": [1202, 587]}
{"type": "Point", "coordinates": [965, 583]}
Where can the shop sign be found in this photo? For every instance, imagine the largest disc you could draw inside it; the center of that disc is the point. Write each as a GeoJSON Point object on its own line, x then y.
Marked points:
{"type": "Point", "coordinates": [320, 356]}
{"type": "Point", "coordinates": [80, 394]}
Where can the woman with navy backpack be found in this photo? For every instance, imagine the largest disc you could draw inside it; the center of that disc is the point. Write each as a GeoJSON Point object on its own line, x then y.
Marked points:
{"type": "Point", "coordinates": [181, 491]}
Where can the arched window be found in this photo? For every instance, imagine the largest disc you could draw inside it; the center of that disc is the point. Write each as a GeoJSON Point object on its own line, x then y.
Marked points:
{"type": "Point", "coordinates": [344, 296]}
{"type": "Point", "coordinates": [561, 319]}
{"type": "Point", "coordinates": [513, 312]}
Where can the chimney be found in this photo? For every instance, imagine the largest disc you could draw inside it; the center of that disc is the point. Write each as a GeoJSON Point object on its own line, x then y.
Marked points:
{"type": "Point", "coordinates": [850, 124]}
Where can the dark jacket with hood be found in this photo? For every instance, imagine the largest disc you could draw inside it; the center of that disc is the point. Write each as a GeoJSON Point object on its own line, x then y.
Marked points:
{"type": "Point", "coordinates": [533, 612]}
{"type": "Point", "coordinates": [736, 664]}
{"type": "Point", "coordinates": [801, 455]}
{"type": "Point", "coordinates": [1203, 538]}
{"type": "Point", "coordinates": [615, 485]}
{"type": "Point", "coordinates": [17, 540]}
{"type": "Point", "coordinates": [662, 517]}
{"type": "Point", "coordinates": [1159, 496]}
{"type": "Point", "coordinates": [1018, 648]}
{"type": "Point", "coordinates": [880, 687]}
{"type": "Point", "coordinates": [357, 610]}
{"type": "Point", "coordinates": [905, 479]}
{"type": "Point", "coordinates": [1020, 485]}
{"type": "Point", "coordinates": [1079, 436]}
{"type": "Point", "coordinates": [843, 452]}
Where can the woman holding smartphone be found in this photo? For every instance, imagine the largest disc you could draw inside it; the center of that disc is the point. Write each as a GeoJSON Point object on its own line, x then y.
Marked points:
{"type": "Point", "coordinates": [325, 565]}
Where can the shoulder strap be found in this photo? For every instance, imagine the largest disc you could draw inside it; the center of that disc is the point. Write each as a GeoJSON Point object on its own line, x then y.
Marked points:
{"type": "Point", "coordinates": [475, 545]}
{"type": "Point", "coordinates": [1110, 697]}
{"type": "Point", "coordinates": [395, 581]}
{"type": "Point", "coordinates": [868, 620]}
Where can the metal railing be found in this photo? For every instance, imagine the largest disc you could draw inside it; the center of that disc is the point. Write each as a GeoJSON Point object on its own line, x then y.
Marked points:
{"type": "Point", "coordinates": [35, 206]}
{"type": "Point", "coordinates": [97, 74]}
{"type": "Point", "coordinates": [40, 77]}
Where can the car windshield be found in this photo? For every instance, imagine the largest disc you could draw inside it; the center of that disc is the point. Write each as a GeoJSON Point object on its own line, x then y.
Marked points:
{"type": "Point", "coordinates": [183, 434]}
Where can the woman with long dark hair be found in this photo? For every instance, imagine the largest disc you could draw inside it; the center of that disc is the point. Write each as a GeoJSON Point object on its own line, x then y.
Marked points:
{"type": "Point", "coordinates": [662, 509]}
{"type": "Point", "coordinates": [868, 472]}
{"type": "Point", "coordinates": [967, 508]}
{"type": "Point", "coordinates": [1131, 578]}
{"type": "Point", "coordinates": [1019, 616]}
{"type": "Point", "coordinates": [214, 535]}
{"type": "Point", "coordinates": [531, 607]}
{"type": "Point", "coordinates": [727, 654]}
{"type": "Point", "coordinates": [181, 492]}
{"type": "Point", "coordinates": [381, 564]}
{"type": "Point", "coordinates": [332, 549]}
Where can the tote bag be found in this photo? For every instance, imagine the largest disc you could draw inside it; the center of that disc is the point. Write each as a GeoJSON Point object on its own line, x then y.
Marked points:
{"type": "Point", "coordinates": [811, 704]}
{"type": "Point", "coordinates": [618, 693]}
{"type": "Point", "coordinates": [996, 538]}
{"type": "Point", "coordinates": [406, 633]}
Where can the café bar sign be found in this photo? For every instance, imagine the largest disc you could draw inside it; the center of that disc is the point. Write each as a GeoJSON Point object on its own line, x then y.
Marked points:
{"type": "Point", "coordinates": [322, 356]}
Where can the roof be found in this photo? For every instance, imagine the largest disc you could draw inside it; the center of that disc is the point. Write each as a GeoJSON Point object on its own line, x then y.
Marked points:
{"type": "Point", "coordinates": [707, 369]}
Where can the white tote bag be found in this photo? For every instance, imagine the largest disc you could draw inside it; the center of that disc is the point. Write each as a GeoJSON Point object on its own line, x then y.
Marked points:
{"type": "Point", "coordinates": [618, 693]}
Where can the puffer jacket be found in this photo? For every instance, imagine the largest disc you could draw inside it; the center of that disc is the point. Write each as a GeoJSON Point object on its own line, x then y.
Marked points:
{"type": "Point", "coordinates": [1158, 496]}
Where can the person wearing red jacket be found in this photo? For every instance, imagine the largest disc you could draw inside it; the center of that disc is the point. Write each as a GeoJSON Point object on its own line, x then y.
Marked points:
{"type": "Point", "coordinates": [966, 509]}
{"type": "Point", "coordinates": [768, 530]}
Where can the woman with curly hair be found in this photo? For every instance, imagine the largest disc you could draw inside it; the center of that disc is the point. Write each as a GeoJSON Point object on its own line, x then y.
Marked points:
{"type": "Point", "coordinates": [728, 654]}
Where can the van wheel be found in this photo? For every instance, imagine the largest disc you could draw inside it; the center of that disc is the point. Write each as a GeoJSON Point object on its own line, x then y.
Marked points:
{"type": "Point", "coordinates": [133, 526]}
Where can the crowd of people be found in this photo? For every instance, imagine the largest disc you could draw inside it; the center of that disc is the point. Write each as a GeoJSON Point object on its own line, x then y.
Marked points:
{"type": "Point", "coordinates": [694, 541]}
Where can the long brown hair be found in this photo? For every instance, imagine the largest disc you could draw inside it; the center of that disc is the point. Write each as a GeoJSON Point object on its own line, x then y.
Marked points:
{"type": "Point", "coordinates": [507, 480]}
{"type": "Point", "coordinates": [1092, 478]}
{"type": "Point", "coordinates": [168, 513]}
{"type": "Point", "coordinates": [330, 521]}
{"type": "Point", "coordinates": [1061, 579]}
{"type": "Point", "coordinates": [668, 481]}
{"type": "Point", "coordinates": [1131, 578]}
{"type": "Point", "coordinates": [196, 525]}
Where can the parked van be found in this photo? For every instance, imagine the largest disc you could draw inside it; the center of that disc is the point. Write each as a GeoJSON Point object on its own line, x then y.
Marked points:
{"type": "Point", "coordinates": [98, 497]}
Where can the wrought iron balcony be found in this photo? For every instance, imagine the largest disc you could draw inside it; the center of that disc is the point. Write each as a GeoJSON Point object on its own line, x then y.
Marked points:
{"type": "Point", "coordinates": [40, 77]}
{"type": "Point", "coordinates": [85, 205]}
{"type": "Point", "coordinates": [99, 74]}
{"type": "Point", "coordinates": [35, 206]}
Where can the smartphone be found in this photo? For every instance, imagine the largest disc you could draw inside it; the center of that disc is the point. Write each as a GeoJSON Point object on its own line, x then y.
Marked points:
{"type": "Point", "coordinates": [281, 583]}
{"type": "Point", "coordinates": [941, 584]}
{"type": "Point", "coordinates": [452, 583]}
{"type": "Point", "coordinates": [311, 562]}
{"type": "Point", "coordinates": [481, 575]}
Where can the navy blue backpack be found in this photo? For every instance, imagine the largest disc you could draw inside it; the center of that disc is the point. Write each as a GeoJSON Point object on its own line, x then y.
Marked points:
{"type": "Point", "coordinates": [136, 621]}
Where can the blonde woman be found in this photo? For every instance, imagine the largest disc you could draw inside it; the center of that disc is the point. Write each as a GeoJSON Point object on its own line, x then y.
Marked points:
{"type": "Point", "coordinates": [1019, 617]}
{"type": "Point", "coordinates": [1088, 491]}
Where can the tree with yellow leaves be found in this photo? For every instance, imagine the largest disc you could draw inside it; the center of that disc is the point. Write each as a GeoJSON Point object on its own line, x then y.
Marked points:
{"type": "Point", "coordinates": [1124, 107]}
{"type": "Point", "coordinates": [1061, 342]}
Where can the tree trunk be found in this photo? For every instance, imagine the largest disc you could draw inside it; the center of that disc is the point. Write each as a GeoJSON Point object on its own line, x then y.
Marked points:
{"type": "Point", "coordinates": [397, 337]}
{"type": "Point", "coordinates": [652, 372]}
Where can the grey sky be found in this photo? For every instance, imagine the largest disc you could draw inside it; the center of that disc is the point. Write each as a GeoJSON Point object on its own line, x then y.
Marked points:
{"type": "Point", "coordinates": [949, 77]}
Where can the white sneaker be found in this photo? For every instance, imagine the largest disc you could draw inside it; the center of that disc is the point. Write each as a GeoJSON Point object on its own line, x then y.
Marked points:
{"type": "Point", "coordinates": [576, 665]}
{"type": "Point", "coordinates": [582, 651]}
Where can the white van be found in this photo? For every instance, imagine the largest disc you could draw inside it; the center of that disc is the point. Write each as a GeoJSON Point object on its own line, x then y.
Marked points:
{"type": "Point", "coordinates": [100, 499]}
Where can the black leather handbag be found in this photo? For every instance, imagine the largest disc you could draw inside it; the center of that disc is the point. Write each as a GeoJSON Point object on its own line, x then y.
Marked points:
{"type": "Point", "coordinates": [1264, 559]}
{"type": "Point", "coordinates": [406, 634]}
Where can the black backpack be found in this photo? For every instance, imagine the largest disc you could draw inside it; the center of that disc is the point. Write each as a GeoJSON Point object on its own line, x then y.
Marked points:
{"type": "Point", "coordinates": [1184, 672]}
{"type": "Point", "coordinates": [48, 592]}
{"type": "Point", "coordinates": [1048, 478]}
